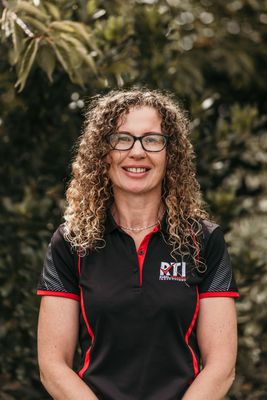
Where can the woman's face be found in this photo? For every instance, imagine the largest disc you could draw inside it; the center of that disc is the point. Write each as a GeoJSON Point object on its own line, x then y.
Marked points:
{"type": "Point", "coordinates": [137, 171]}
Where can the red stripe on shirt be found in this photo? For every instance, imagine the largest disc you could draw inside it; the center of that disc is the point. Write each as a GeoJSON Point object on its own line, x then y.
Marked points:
{"type": "Point", "coordinates": [196, 245]}
{"type": "Point", "coordinates": [58, 294]}
{"type": "Point", "coordinates": [218, 294]}
{"type": "Point", "coordinates": [87, 355]}
{"type": "Point", "coordinates": [188, 333]}
{"type": "Point", "coordinates": [141, 252]}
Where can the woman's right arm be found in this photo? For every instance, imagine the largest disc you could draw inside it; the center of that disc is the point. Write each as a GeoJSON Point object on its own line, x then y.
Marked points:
{"type": "Point", "coordinates": [57, 339]}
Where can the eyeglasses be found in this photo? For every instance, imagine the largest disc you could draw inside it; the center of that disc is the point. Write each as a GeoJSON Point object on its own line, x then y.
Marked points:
{"type": "Point", "coordinates": [151, 141]}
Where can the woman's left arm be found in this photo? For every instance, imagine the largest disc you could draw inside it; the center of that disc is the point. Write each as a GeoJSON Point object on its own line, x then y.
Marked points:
{"type": "Point", "coordinates": [217, 340]}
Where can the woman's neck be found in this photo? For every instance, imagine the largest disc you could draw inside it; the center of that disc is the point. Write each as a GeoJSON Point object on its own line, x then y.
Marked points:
{"type": "Point", "coordinates": [137, 211]}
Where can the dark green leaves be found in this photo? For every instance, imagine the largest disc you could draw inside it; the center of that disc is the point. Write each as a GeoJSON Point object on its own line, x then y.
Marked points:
{"type": "Point", "coordinates": [26, 61]}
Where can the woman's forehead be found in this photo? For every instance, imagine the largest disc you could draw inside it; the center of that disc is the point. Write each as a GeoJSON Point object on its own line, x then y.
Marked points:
{"type": "Point", "coordinates": [141, 115]}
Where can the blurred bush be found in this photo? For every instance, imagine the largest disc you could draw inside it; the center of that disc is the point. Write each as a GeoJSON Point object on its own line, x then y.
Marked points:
{"type": "Point", "coordinates": [53, 57]}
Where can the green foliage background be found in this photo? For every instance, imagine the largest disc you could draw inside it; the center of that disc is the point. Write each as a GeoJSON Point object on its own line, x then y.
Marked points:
{"type": "Point", "coordinates": [53, 57]}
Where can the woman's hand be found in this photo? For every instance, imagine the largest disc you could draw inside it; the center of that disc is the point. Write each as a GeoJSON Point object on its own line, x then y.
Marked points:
{"type": "Point", "coordinates": [217, 339]}
{"type": "Point", "coordinates": [57, 340]}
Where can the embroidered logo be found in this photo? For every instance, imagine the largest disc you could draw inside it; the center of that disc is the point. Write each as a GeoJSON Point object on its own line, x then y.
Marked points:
{"type": "Point", "coordinates": [172, 271]}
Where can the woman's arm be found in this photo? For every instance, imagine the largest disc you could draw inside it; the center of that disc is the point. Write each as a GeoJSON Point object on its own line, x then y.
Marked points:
{"type": "Point", "coordinates": [57, 339]}
{"type": "Point", "coordinates": [217, 339]}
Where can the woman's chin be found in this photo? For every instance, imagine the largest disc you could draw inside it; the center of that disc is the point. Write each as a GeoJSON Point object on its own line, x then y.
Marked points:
{"type": "Point", "coordinates": [137, 190]}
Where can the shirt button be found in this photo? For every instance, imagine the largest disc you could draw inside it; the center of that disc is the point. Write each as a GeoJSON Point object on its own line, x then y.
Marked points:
{"type": "Point", "coordinates": [141, 252]}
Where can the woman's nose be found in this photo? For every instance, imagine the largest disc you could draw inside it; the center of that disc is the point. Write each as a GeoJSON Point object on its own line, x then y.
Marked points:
{"type": "Point", "coordinates": [137, 149]}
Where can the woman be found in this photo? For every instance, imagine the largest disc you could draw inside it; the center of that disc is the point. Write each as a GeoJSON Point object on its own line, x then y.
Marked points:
{"type": "Point", "coordinates": [137, 272]}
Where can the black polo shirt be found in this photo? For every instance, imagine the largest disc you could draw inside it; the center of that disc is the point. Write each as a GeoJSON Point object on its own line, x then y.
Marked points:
{"type": "Point", "coordinates": [138, 309]}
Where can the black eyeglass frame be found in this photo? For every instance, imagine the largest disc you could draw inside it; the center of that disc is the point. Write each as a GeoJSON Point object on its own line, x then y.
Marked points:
{"type": "Point", "coordinates": [140, 138]}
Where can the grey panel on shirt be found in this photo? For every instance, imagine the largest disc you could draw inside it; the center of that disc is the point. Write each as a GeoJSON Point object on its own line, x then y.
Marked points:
{"type": "Point", "coordinates": [49, 277]}
{"type": "Point", "coordinates": [223, 277]}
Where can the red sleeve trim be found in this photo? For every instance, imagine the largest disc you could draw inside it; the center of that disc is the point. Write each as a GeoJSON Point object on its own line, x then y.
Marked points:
{"type": "Point", "coordinates": [218, 294]}
{"type": "Point", "coordinates": [58, 294]}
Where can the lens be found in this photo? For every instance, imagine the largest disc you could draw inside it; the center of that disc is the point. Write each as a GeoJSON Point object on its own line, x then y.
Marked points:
{"type": "Point", "coordinates": [153, 142]}
{"type": "Point", "coordinates": [121, 141]}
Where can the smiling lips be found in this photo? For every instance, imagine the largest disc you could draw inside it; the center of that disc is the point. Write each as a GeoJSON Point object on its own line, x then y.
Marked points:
{"type": "Point", "coordinates": [136, 170]}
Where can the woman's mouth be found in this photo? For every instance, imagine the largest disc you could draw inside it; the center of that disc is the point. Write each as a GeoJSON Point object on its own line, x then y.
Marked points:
{"type": "Point", "coordinates": [136, 170]}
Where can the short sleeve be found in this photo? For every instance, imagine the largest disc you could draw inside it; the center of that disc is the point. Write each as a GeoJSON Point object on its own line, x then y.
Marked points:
{"type": "Point", "coordinates": [219, 279]}
{"type": "Point", "coordinates": [59, 276]}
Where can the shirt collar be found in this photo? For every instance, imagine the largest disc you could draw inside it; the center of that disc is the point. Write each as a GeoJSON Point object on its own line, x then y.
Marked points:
{"type": "Point", "coordinates": [110, 224]}
{"type": "Point", "coordinates": [163, 225]}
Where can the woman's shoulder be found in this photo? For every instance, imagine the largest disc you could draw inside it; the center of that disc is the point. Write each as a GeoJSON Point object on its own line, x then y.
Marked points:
{"type": "Point", "coordinates": [208, 226]}
{"type": "Point", "coordinates": [59, 239]}
{"type": "Point", "coordinates": [210, 229]}
{"type": "Point", "coordinates": [58, 234]}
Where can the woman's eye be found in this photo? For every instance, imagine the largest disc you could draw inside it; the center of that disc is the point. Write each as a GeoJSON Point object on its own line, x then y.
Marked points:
{"type": "Point", "coordinates": [124, 139]}
{"type": "Point", "coordinates": [151, 139]}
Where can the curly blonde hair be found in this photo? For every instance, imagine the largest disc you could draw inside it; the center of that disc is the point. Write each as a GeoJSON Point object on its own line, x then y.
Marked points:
{"type": "Point", "coordinates": [89, 194]}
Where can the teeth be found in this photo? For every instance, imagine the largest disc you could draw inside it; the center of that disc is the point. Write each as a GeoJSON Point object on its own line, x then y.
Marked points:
{"type": "Point", "coordinates": [136, 170]}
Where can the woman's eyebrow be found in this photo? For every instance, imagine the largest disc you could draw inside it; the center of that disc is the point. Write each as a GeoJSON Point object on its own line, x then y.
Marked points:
{"type": "Point", "coordinates": [145, 133]}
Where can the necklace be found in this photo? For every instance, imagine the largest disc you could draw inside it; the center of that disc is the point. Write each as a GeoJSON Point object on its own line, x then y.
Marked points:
{"type": "Point", "coordinates": [128, 228]}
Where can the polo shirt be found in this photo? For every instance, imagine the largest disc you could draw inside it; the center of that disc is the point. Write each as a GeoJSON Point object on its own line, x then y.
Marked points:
{"type": "Point", "coordinates": [138, 308]}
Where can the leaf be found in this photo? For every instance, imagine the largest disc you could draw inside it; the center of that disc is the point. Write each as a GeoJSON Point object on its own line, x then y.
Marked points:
{"type": "Point", "coordinates": [80, 29]}
{"type": "Point", "coordinates": [62, 26]}
{"type": "Point", "coordinates": [18, 42]}
{"type": "Point", "coordinates": [62, 56]}
{"type": "Point", "coordinates": [46, 60]}
{"type": "Point", "coordinates": [4, 16]}
{"type": "Point", "coordinates": [52, 10]}
{"type": "Point", "coordinates": [76, 28]}
{"type": "Point", "coordinates": [91, 7]}
{"type": "Point", "coordinates": [81, 50]}
{"type": "Point", "coordinates": [35, 23]}
{"type": "Point", "coordinates": [26, 63]}
{"type": "Point", "coordinates": [24, 6]}
{"type": "Point", "coordinates": [5, 21]}
{"type": "Point", "coordinates": [68, 61]}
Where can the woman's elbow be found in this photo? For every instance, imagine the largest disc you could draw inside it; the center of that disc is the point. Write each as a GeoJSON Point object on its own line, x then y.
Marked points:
{"type": "Point", "coordinates": [222, 378]}
{"type": "Point", "coordinates": [225, 379]}
{"type": "Point", "coordinates": [50, 373]}
{"type": "Point", "coordinates": [230, 378]}
{"type": "Point", "coordinates": [42, 377]}
{"type": "Point", "coordinates": [45, 376]}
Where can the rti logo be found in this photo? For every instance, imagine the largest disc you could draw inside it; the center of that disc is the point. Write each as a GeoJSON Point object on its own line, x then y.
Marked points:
{"type": "Point", "coordinates": [172, 271]}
